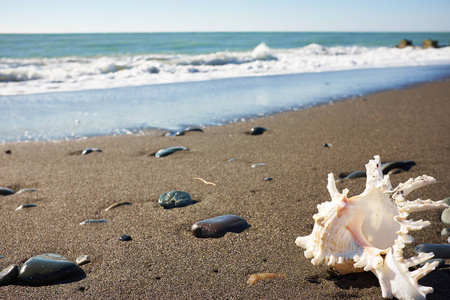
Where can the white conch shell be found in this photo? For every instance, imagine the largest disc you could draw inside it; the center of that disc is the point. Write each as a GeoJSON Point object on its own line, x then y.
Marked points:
{"type": "Point", "coordinates": [368, 233]}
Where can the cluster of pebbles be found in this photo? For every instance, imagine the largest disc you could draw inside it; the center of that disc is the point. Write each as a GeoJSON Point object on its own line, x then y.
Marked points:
{"type": "Point", "coordinates": [50, 268]}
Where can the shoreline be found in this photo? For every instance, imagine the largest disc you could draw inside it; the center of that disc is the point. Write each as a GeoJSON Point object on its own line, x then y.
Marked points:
{"type": "Point", "coordinates": [164, 260]}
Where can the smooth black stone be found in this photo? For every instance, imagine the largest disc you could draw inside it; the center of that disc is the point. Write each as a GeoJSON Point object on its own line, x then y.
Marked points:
{"type": "Point", "coordinates": [8, 152]}
{"type": "Point", "coordinates": [403, 165]}
{"type": "Point", "coordinates": [9, 275]}
{"type": "Point", "coordinates": [326, 145]}
{"type": "Point", "coordinates": [439, 250]}
{"type": "Point", "coordinates": [183, 132]}
{"type": "Point", "coordinates": [257, 130]}
{"type": "Point", "coordinates": [6, 191]}
{"type": "Point", "coordinates": [217, 227]}
{"type": "Point", "coordinates": [90, 150]}
{"type": "Point", "coordinates": [46, 268]}
{"type": "Point", "coordinates": [125, 238]}
{"type": "Point", "coordinates": [93, 221]}
{"type": "Point", "coordinates": [440, 260]}
{"type": "Point", "coordinates": [356, 174]}
{"type": "Point", "coordinates": [175, 199]}
{"type": "Point", "coordinates": [168, 151]}
{"type": "Point", "coordinates": [268, 178]}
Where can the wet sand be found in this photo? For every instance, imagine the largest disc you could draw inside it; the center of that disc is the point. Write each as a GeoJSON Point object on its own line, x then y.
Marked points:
{"type": "Point", "coordinates": [164, 260]}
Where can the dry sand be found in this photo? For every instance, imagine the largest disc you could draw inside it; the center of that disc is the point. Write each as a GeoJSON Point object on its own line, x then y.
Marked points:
{"type": "Point", "coordinates": [165, 261]}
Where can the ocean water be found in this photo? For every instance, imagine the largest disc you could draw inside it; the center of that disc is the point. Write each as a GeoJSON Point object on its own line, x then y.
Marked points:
{"type": "Point", "coordinates": [59, 86]}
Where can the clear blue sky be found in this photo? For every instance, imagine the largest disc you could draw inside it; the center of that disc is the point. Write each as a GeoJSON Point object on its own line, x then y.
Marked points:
{"type": "Point", "coordinates": [49, 16]}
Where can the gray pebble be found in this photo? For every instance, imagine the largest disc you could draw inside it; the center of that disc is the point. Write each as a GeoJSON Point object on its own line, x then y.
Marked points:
{"type": "Point", "coordinates": [445, 232]}
{"type": "Point", "coordinates": [446, 201]}
{"type": "Point", "coordinates": [46, 268]}
{"type": "Point", "coordinates": [26, 205]}
{"type": "Point", "coordinates": [268, 178]}
{"type": "Point", "coordinates": [440, 260]}
{"type": "Point", "coordinates": [9, 275]}
{"type": "Point", "coordinates": [439, 250]}
{"type": "Point", "coordinates": [26, 190]}
{"type": "Point", "coordinates": [259, 165]}
{"type": "Point", "coordinates": [168, 151]}
{"type": "Point", "coordinates": [445, 216]}
{"type": "Point", "coordinates": [93, 221]}
{"type": "Point", "coordinates": [6, 191]}
{"type": "Point", "coordinates": [82, 260]}
{"type": "Point", "coordinates": [175, 199]}
{"type": "Point", "coordinates": [217, 227]}
{"type": "Point", "coordinates": [90, 150]}
{"type": "Point", "coordinates": [183, 132]}
{"type": "Point", "coordinates": [125, 238]}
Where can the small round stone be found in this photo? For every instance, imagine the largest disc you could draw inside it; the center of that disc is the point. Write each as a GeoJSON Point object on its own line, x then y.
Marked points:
{"type": "Point", "coordinates": [9, 275]}
{"type": "Point", "coordinates": [5, 191]}
{"type": "Point", "coordinates": [125, 238]}
{"type": "Point", "coordinates": [268, 178]}
{"type": "Point", "coordinates": [217, 227]}
{"type": "Point", "coordinates": [175, 199]}
{"type": "Point", "coordinates": [257, 130]}
{"type": "Point", "coordinates": [8, 151]}
{"type": "Point", "coordinates": [445, 232]}
{"type": "Point", "coordinates": [445, 217]}
{"type": "Point", "coordinates": [46, 268]}
{"type": "Point", "coordinates": [82, 260]}
{"type": "Point", "coordinates": [439, 250]}
{"type": "Point", "coordinates": [326, 145]}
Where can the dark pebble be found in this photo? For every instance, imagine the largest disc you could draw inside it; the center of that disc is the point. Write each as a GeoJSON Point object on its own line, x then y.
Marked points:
{"type": "Point", "coordinates": [6, 191]}
{"type": "Point", "coordinates": [356, 174]}
{"type": "Point", "coordinates": [9, 275]}
{"type": "Point", "coordinates": [117, 204]}
{"type": "Point", "coordinates": [268, 178]}
{"type": "Point", "coordinates": [46, 268]}
{"type": "Point", "coordinates": [217, 227]}
{"type": "Point", "coordinates": [26, 205]}
{"type": "Point", "coordinates": [439, 250]}
{"type": "Point", "coordinates": [90, 150]}
{"type": "Point", "coordinates": [175, 199]}
{"type": "Point", "coordinates": [326, 145]}
{"type": "Point", "coordinates": [125, 238]}
{"type": "Point", "coordinates": [8, 152]}
{"type": "Point", "coordinates": [168, 151]}
{"type": "Point", "coordinates": [257, 130]}
{"type": "Point", "coordinates": [403, 165]}
{"type": "Point", "coordinates": [93, 221]}
{"type": "Point", "coordinates": [183, 132]}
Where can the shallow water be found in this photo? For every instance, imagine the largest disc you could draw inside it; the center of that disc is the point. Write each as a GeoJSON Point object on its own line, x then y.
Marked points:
{"type": "Point", "coordinates": [174, 106]}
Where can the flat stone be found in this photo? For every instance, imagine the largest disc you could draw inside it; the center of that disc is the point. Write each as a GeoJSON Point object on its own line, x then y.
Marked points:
{"type": "Point", "coordinates": [175, 199]}
{"type": "Point", "coordinates": [117, 204]}
{"type": "Point", "coordinates": [9, 275]}
{"type": "Point", "coordinates": [439, 250]}
{"type": "Point", "coordinates": [82, 260]}
{"type": "Point", "coordinates": [183, 132]}
{"type": "Point", "coordinates": [403, 165]}
{"type": "Point", "coordinates": [46, 268]}
{"type": "Point", "coordinates": [26, 191]}
{"type": "Point", "coordinates": [8, 152]}
{"type": "Point", "coordinates": [257, 130]}
{"type": "Point", "coordinates": [93, 221]}
{"type": "Point", "coordinates": [168, 151]}
{"type": "Point", "coordinates": [259, 165]}
{"type": "Point", "coordinates": [268, 178]}
{"type": "Point", "coordinates": [90, 150]}
{"type": "Point", "coordinates": [445, 216]}
{"type": "Point", "coordinates": [26, 205]}
{"type": "Point", "coordinates": [6, 191]}
{"type": "Point", "coordinates": [125, 238]}
{"type": "Point", "coordinates": [217, 227]}
{"type": "Point", "coordinates": [445, 232]}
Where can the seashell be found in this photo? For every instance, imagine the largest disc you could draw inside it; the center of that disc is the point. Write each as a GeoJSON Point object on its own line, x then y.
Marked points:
{"type": "Point", "coordinates": [368, 233]}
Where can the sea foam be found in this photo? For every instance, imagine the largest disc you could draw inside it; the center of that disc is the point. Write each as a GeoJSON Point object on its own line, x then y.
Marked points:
{"type": "Point", "coordinates": [45, 75]}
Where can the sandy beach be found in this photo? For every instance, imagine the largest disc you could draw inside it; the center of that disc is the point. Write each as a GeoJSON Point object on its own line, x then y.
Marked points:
{"type": "Point", "coordinates": [164, 260]}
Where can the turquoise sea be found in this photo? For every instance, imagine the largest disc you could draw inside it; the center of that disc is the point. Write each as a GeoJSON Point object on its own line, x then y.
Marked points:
{"type": "Point", "coordinates": [63, 86]}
